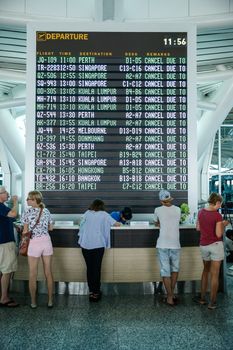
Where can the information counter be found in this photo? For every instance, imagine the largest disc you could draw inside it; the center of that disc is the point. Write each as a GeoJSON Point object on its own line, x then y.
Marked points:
{"type": "Point", "coordinates": [131, 258]}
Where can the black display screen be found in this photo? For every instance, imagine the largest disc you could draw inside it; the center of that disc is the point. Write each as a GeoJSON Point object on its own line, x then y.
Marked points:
{"type": "Point", "coordinates": [111, 119]}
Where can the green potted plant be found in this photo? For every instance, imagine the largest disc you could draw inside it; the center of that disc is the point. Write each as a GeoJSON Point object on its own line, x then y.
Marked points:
{"type": "Point", "coordinates": [185, 211]}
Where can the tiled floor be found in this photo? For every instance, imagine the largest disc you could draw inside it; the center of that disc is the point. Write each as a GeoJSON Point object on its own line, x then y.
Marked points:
{"type": "Point", "coordinates": [120, 321]}
{"type": "Point", "coordinates": [229, 279]}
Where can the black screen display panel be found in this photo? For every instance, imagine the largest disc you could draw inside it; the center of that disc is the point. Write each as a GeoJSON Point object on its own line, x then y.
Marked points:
{"type": "Point", "coordinates": [111, 119]}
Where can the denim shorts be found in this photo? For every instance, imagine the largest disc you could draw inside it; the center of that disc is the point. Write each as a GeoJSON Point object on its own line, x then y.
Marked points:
{"type": "Point", "coordinates": [169, 260]}
{"type": "Point", "coordinates": [214, 251]}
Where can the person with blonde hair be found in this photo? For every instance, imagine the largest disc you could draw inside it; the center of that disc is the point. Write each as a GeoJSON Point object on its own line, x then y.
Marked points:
{"type": "Point", "coordinates": [38, 219]}
{"type": "Point", "coordinates": [211, 225]}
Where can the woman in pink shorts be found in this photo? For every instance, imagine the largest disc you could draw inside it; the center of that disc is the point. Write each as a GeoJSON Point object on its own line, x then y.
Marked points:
{"type": "Point", "coordinates": [40, 244]}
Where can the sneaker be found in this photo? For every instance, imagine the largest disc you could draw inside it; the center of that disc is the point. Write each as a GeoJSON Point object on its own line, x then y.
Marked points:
{"type": "Point", "coordinates": [33, 306]}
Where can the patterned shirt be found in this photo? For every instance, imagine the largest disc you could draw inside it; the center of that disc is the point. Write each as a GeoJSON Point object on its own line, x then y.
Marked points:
{"type": "Point", "coordinates": [31, 215]}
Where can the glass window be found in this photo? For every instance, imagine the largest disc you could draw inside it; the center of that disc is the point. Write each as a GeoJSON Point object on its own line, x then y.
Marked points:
{"type": "Point", "coordinates": [229, 119]}
{"type": "Point", "coordinates": [226, 149]}
{"type": "Point", "coordinates": [214, 166]}
{"type": "Point", "coordinates": [221, 167]}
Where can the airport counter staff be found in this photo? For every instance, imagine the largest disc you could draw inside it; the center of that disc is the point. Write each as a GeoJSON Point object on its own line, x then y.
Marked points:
{"type": "Point", "coordinates": [122, 216]}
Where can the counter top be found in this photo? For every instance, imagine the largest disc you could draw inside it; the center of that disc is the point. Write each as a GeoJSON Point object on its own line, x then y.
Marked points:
{"type": "Point", "coordinates": [123, 227]}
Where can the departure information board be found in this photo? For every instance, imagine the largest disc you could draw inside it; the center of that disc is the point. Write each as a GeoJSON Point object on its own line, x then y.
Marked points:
{"type": "Point", "coordinates": [111, 119]}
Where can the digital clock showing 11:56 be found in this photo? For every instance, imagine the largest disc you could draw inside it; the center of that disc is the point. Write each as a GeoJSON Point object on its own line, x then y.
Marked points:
{"type": "Point", "coordinates": [175, 41]}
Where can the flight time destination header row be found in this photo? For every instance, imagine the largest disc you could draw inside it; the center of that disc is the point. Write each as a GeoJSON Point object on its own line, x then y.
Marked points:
{"type": "Point", "coordinates": [111, 118]}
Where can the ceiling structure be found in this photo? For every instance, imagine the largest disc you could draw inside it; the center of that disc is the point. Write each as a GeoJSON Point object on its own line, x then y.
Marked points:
{"type": "Point", "coordinates": [214, 47]}
{"type": "Point", "coordinates": [214, 53]}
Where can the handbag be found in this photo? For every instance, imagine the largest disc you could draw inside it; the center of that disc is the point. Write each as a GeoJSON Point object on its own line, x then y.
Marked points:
{"type": "Point", "coordinates": [24, 243]}
{"type": "Point", "coordinates": [25, 238]}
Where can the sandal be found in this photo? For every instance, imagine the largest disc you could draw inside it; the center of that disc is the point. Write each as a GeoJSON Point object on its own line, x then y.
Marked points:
{"type": "Point", "coordinates": [167, 303]}
{"type": "Point", "coordinates": [175, 300]}
{"type": "Point", "coordinates": [94, 297]}
{"type": "Point", "coordinates": [200, 301]}
{"type": "Point", "coordinates": [10, 303]}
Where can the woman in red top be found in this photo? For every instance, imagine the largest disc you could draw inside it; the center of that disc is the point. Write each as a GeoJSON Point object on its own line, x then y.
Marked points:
{"type": "Point", "coordinates": [211, 225]}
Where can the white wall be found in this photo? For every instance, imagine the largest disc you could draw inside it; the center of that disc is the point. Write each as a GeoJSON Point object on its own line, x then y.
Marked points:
{"type": "Point", "coordinates": [49, 8]}
{"type": "Point", "coordinates": [157, 9]}
{"type": "Point", "coordinates": [124, 9]}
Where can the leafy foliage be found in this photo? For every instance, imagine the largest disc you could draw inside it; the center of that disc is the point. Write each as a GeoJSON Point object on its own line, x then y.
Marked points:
{"type": "Point", "coordinates": [185, 211]}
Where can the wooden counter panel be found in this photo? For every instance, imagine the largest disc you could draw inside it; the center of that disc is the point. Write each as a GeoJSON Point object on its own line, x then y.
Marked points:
{"type": "Point", "coordinates": [191, 264]}
{"type": "Point", "coordinates": [119, 265]}
{"type": "Point", "coordinates": [132, 257]}
{"type": "Point", "coordinates": [68, 266]}
{"type": "Point", "coordinates": [141, 265]}
{"type": "Point", "coordinates": [135, 265]}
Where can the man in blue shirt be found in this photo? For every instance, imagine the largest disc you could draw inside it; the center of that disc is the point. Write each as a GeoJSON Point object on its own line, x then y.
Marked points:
{"type": "Point", "coordinates": [122, 216]}
{"type": "Point", "coordinates": [8, 257]}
